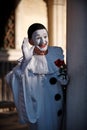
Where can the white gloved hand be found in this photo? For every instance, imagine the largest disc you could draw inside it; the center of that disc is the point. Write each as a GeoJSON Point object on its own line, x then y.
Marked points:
{"type": "Point", "coordinates": [27, 52]}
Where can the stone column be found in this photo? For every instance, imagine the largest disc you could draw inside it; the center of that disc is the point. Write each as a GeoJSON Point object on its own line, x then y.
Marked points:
{"type": "Point", "coordinates": [76, 118]}
{"type": "Point", "coordinates": [57, 22]}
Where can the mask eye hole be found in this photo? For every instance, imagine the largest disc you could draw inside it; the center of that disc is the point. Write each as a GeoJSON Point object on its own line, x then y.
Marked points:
{"type": "Point", "coordinates": [38, 37]}
{"type": "Point", "coordinates": [45, 37]}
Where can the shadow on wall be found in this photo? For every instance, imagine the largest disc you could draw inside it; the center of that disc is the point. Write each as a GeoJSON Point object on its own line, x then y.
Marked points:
{"type": "Point", "coordinates": [6, 8]}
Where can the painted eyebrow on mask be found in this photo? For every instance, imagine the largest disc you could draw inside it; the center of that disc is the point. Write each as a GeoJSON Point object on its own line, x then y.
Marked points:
{"type": "Point", "coordinates": [38, 35]}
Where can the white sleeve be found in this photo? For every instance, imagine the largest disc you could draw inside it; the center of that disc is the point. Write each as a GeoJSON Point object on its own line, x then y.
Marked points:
{"type": "Point", "coordinates": [26, 50]}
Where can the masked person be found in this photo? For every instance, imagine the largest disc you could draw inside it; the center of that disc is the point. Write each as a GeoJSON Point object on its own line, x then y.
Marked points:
{"type": "Point", "coordinates": [37, 81]}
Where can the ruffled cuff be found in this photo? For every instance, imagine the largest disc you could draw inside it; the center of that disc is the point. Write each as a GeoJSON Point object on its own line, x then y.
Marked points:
{"type": "Point", "coordinates": [63, 80]}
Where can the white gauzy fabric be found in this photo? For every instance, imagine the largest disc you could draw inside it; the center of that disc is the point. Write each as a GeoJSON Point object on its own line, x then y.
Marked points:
{"type": "Point", "coordinates": [26, 50]}
{"type": "Point", "coordinates": [37, 92]}
{"type": "Point", "coordinates": [45, 64]}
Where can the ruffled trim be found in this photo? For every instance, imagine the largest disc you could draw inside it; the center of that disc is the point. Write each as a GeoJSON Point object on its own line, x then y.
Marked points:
{"type": "Point", "coordinates": [45, 64]}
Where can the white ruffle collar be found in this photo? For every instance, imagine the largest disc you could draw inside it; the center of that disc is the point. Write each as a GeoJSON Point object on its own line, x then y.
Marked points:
{"type": "Point", "coordinates": [44, 64]}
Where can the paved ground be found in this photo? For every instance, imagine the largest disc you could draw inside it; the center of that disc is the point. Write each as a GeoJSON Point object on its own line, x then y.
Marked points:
{"type": "Point", "coordinates": [9, 121]}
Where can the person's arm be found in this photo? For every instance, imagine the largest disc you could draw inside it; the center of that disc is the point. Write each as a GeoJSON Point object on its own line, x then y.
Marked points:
{"type": "Point", "coordinates": [27, 52]}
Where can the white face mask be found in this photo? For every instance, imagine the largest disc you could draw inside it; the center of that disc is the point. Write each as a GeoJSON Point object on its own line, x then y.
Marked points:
{"type": "Point", "coordinates": [40, 39]}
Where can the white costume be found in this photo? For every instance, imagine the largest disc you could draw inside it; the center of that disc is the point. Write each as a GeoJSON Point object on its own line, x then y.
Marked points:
{"type": "Point", "coordinates": [37, 90]}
